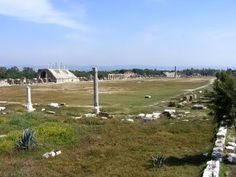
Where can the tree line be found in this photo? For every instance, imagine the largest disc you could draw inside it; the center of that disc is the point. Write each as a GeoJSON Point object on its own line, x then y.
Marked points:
{"type": "Point", "coordinates": [15, 73]}
{"type": "Point", "coordinates": [29, 73]}
{"type": "Point", "coordinates": [224, 94]}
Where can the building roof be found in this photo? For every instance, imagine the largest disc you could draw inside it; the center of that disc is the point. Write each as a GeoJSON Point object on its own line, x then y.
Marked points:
{"type": "Point", "coordinates": [62, 74]}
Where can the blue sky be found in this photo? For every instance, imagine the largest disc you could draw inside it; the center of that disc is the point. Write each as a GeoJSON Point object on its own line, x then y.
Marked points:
{"type": "Point", "coordinates": [121, 32]}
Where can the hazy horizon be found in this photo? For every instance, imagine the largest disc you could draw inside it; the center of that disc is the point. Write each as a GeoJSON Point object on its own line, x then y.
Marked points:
{"type": "Point", "coordinates": [118, 67]}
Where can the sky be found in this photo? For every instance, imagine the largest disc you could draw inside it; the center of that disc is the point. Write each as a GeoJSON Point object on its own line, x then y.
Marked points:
{"type": "Point", "coordinates": [121, 32]}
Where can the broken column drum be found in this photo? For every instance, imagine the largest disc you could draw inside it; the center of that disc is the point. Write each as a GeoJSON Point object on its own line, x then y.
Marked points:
{"type": "Point", "coordinates": [29, 105]}
{"type": "Point", "coordinates": [95, 91]}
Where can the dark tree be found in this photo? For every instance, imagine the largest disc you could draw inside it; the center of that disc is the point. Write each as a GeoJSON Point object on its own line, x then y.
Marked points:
{"type": "Point", "coordinates": [224, 97]}
{"type": "Point", "coordinates": [3, 71]}
{"type": "Point", "coordinates": [14, 73]}
{"type": "Point", "coordinates": [29, 73]}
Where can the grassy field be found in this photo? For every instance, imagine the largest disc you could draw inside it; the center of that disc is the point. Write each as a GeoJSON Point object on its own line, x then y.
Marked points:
{"type": "Point", "coordinates": [96, 147]}
{"type": "Point", "coordinates": [115, 96]}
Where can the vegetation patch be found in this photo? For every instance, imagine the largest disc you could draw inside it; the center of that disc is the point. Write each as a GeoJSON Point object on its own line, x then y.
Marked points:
{"type": "Point", "coordinates": [54, 133]}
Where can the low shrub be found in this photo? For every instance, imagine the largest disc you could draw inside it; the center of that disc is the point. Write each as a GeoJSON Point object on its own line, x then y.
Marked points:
{"type": "Point", "coordinates": [27, 140]}
{"type": "Point", "coordinates": [158, 161]}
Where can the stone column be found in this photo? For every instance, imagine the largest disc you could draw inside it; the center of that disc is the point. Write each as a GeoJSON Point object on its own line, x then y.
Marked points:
{"type": "Point", "coordinates": [95, 91]}
{"type": "Point", "coordinates": [175, 72]}
{"type": "Point", "coordinates": [29, 105]}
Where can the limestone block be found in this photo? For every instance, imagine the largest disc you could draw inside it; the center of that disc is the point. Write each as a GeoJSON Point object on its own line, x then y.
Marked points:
{"type": "Point", "coordinates": [141, 116]}
{"type": "Point", "coordinates": [232, 144]}
{"type": "Point", "coordinates": [212, 169]}
{"type": "Point", "coordinates": [156, 115]}
{"type": "Point", "coordinates": [231, 157]}
{"type": "Point", "coordinates": [2, 108]}
{"type": "Point", "coordinates": [54, 105]}
{"type": "Point", "coordinates": [230, 148]}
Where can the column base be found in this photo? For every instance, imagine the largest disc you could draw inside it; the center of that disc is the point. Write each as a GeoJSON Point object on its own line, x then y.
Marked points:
{"type": "Point", "coordinates": [96, 110]}
{"type": "Point", "coordinates": [29, 107]}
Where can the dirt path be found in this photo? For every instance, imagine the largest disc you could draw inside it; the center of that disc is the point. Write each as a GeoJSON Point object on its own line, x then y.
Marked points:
{"type": "Point", "coordinates": [202, 87]}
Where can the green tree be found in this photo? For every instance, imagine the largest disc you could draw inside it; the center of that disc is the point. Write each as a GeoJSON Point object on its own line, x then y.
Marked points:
{"type": "Point", "coordinates": [13, 73]}
{"type": "Point", "coordinates": [29, 73]}
{"type": "Point", "coordinates": [3, 71]}
{"type": "Point", "coordinates": [224, 96]}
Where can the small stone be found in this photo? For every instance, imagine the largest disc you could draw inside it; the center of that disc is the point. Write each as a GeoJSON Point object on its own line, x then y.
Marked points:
{"type": "Point", "coordinates": [53, 154]}
{"type": "Point", "coordinates": [170, 111]}
{"type": "Point", "coordinates": [187, 112]}
{"type": "Point", "coordinates": [156, 115]}
{"type": "Point", "coordinates": [90, 115]}
{"type": "Point", "coordinates": [46, 155]}
{"type": "Point", "coordinates": [58, 152]}
{"type": "Point", "coordinates": [141, 116]}
{"type": "Point", "coordinates": [148, 96]}
{"type": "Point", "coordinates": [51, 112]}
{"type": "Point", "coordinates": [232, 144]}
{"type": "Point", "coordinates": [198, 106]}
{"type": "Point", "coordinates": [2, 108]}
{"type": "Point", "coordinates": [76, 118]}
{"type": "Point", "coordinates": [54, 105]}
{"type": "Point", "coordinates": [231, 157]}
{"type": "Point", "coordinates": [230, 148]}
{"type": "Point", "coordinates": [130, 120]}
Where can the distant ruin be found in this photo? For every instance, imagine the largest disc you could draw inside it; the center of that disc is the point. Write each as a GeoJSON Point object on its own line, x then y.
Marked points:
{"type": "Point", "coordinates": [56, 76]}
{"type": "Point", "coordinates": [126, 75]}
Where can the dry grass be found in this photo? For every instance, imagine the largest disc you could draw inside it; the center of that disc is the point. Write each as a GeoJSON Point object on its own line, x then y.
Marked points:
{"type": "Point", "coordinates": [97, 148]}
{"type": "Point", "coordinates": [115, 96]}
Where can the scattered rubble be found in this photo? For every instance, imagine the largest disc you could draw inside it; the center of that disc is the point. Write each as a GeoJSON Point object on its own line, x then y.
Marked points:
{"type": "Point", "coordinates": [54, 105]}
{"type": "Point", "coordinates": [90, 115]}
{"type": "Point", "coordinates": [170, 113]}
{"type": "Point", "coordinates": [53, 153]}
{"type": "Point", "coordinates": [198, 106]}
{"type": "Point", "coordinates": [187, 112]}
{"type": "Point", "coordinates": [185, 120]}
{"type": "Point", "coordinates": [231, 144]}
{"type": "Point", "coordinates": [105, 114]}
{"type": "Point", "coordinates": [2, 108]}
{"type": "Point", "coordinates": [212, 169]}
{"type": "Point", "coordinates": [231, 157]}
{"type": "Point", "coordinates": [76, 118]}
{"type": "Point", "coordinates": [43, 109]}
{"type": "Point", "coordinates": [128, 120]}
{"type": "Point", "coordinates": [213, 166]}
{"type": "Point", "coordinates": [51, 112]}
{"type": "Point", "coordinates": [230, 148]}
{"type": "Point", "coordinates": [148, 96]}
{"type": "Point", "coordinates": [141, 116]}
{"type": "Point", "coordinates": [149, 117]}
